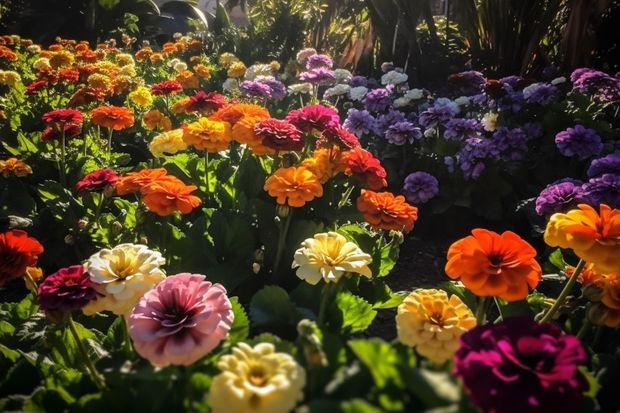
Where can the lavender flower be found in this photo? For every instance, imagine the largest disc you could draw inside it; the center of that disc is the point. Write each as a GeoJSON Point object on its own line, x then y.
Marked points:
{"type": "Point", "coordinates": [358, 80]}
{"type": "Point", "coordinates": [540, 93]}
{"type": "Point", "coordinates": [604, 189]}
{"type": "Point", "coordinates": [420, 187]}
{"type": "Point", "coordinates": [579, 141]}
{"type": "Point", "coordinates": [254, 88]}
{"type": "Point", "coordinates": [277, 88]}
{"type": "Point", "coordinates": [359, 122]}
{"type": "Point", "coordinates": [599, 84]}
{"type": "Point", "coordinates": [511, 144]}
{"type": "Point", "coordinates": [383, 122]}
{"type": "Point", "coordinates": [377, 100]}
{"type": "Point", "coordinates": [318, 76]}
{"type": "Point", "coordinates": [316, 61]}
{"type": "Point", "coordinates": [402, 132]}
{"type": "Point", "coordinates": [435, 116]}
{"type": "Point", "coordinates": [462, 128]}
{"type": "Point", "coordinates": [472, 155]}
{"type": "Point", "coordinates": [560, 196]}
{"type": "Point", "coordinates": [607, 164]}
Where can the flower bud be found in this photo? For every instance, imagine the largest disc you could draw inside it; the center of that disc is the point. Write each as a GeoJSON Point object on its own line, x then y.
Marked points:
{"type": "Point", "coordinates": [69, 239]}
{"type": "Point", "coordinates": [82, 224]}
{"type": "Point", "coordinates": [116, 228]}
{"type": "Point", "coordinates": [283, 210]}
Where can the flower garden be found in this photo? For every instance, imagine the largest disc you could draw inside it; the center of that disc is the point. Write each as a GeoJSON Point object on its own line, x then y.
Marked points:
{"type": "Point", "coordinates": [186, 231]}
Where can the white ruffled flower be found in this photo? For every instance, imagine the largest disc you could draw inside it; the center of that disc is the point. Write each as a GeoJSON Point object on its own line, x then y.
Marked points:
{"type": "Point", "coordinates": [414, 94]}
{"type": "Point", "coordinates": [342, 75]}
{"type": "Point", "coordinates": [489, 121]}
{"type": "Point", "coordinates": [393, 77]}
{"type": "Point", "coordinates": [42, 63]}
{"type": "Point", "coordinates": [558, 80]}
{"type": "Point", "coordinates": [230, 85]}
{"type": "Point", "coordinates": [358, 92]}
{"type": "Point", "coordinates": [338, 90]}
{"type": "Point", "coordinates": [180, 67]}
{"type": "Point", "coordinates": [462, 100]}
{"type": "Point", "coordinates": [305, 87]}
{"type": "Point", "coordinates": [258, 69]}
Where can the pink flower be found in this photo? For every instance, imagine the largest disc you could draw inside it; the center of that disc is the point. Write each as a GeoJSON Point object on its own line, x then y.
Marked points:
{"type": "Point", "coordinates": [180, 320]}
{"type": "Point", "coordinates": [97, 181]}
{"type": "Point", "coordinates": [279, 135]}
{"type": "Point", "coordinates": [311, 117]}
{"type": "Point", "coordinates": [68, 289]}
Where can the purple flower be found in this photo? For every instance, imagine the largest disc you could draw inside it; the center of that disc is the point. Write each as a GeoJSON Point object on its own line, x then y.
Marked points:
{"type": "Point", "coordinates": [359, 122]}
{"type": "Point", "coordinates": [277, 89]}
{"type": "Point", "coordinates": [318, 76]}
{"type": "Point", "coordinates": [604, 189]}
{"type": "Point", "coordinates": [435, 116]}
{"type": "Point", "coordinates": [607, 164]}
{"type": "Point", "coordinates": [377, 100]}
{"type": "Point", "coordinates": [420, 187]}
{"type": "Point", "coordinates": [532, 129]}
{"type": "Point", "coordinates": [68, 289]}
{"type": "Point", "coordinates": [467, 83]}
{"type": "Point", "coordinates": [319, 60]}
{"type": "Point", "coordinates": [461, 128]}
{"type": "Point", "coordinates": [559, 196]}
{"type": "Point", "coordinates": [403, 132]}
{"type": "Point", "coordinates": [511, 143]}
{"type": "Point", "coordinates": [519, 365]}
{"type": "Point", "coordinates": [358, 80]}
{"type": "Point", "coordinates": [383, 122]}
{"type": "Point", "coordinates": [579, 141]}
{"type": "Point", "coordinates": [255, 88]}
{"type": "Point", "coordinates": [541, 93]}
{"type": "Point", "coordinates": [596, 83]}
{"type": "Point", "coordinates": [180, 320]}
{"type": "Point", "coordinates": [472, 155]}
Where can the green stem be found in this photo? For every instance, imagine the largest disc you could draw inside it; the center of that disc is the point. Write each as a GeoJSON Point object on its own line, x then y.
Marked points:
{"type": "Point", "coordinates": [127, 339]}
{"type": "Point", "coordinates": [345, 196]}
{"type": "Point", "coordinates": [164, 237]}
{"type": "Point", "coordinates": [90, 366]}
{"type": "Point", "coordinates": [329, 290]}
{"type": "Point", "coordinates": [585, 328]}
{"type": "Point", "coordinates": [63, 158]}
{"type": "Point", "coordinates": [110, 130]}
{"type": "Point", "coordinates": [565, 292]}
{"type": "Point", "coordinates": [206, 176]}
{"type": "Point", "coordinates": [281, 240]}
{"type": "Point", "coordinates": [481, 311]}
{"type": "Point", "coordinates": [99, 208]}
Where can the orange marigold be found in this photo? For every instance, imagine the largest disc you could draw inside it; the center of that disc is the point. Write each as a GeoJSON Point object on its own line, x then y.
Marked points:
{"type": "Point", "coordinates": [114, 117]}
{"type": "Point", "coordinates": [384, 210]}
{"type": "Point", "coordinates": [156, 120]}
{"type": "Point", "coordinates": [209, 135]}
{"type": "Point", "coordinates": [14, 166]}
{"type": "Point", "coordinates": [593, 236]}
{"type": "Point", "coordinates": [233, 112]}
{"type": "Point", "coordinates": [165, 196]}
{"type": "Point", "coordinates": [135, 181]}
{"type": "Point", "coordinates": [490, 264]}
{"type": "Point", "coordinates": [293, 186]}
{"type": "Point", "coordinates": [188, 80]}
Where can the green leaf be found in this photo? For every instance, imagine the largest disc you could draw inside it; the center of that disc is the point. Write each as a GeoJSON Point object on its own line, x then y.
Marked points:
{"type": "Point", "coordinates": [240, 328]}
{"type": "Point", "coordinates": [557, 259]}
{"type": "Point", "coordinates": [359, 406]}
{"type": "Point", "coordinates": [355, 312]}
{"type": "Point", "coordinates": [271, 306]}
{"type": "Point", "coordinates": [381, 360]}
{"type": "Point", "coordinates": [109, 4]}
{"type": "Point", "coordinates": [434, 388]}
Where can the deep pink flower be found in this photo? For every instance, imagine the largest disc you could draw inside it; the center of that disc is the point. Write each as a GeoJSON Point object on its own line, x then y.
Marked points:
{"type": "Point", "coordinates": [519, 365]}
{"type": "Point", "coordinates": [51, 134]}
{"type": "Point", "coordinates": [279, 135]}
{"type": "Point", "coordinates": [337, 135]}
{"type": "Point", "coordinates": [167, 87]}
{"type": "Point", "coordinates": [97, 181]}
{"type": "Point", "coordinates": [205, 102]}
{"type": "Point", "coordinates": [68, 289]}
{"type": "Point", "coordinates": [180, 320]}
{"type": "Point", "coordinates": [59, 117]}
{"type": "Point", "coordinates": [311, 117]}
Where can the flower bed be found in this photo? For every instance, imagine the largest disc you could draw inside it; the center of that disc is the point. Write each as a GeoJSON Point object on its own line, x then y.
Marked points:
{"type": "Point", "coordinates": [187, 233]}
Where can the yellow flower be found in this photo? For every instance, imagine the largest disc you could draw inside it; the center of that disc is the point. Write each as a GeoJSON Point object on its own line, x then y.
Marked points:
{"type": "Point", "coordinates": [207, 134]}
{"type": "Point", "coordinates": [226, 59]}
{"type": "Point", "coordinates": [324, 163]}
{"type": "Point", "coordinates": [42, 64]}
{"type": "Point", "coordinates": [169, 142]}
{"type": "Point", "coordinates": [14, 166]}
{"type": "Point", "coordinates": [123, 59]}
{"type": "Point", "coordinates": [236, 70]}
{"type": "Point", "coordinates": [257, 380]}
{"type": "Point", "coordinates": [9, 77]}
{"type": "Point", "coordinates": [99, 81]}
{"type": "Point", "coordinates": [594, 237]}
{"type": "Point", "coordinates": [432, 323]}
{"type": "Point", "coordinates": [62, 58]}
{"type": "Point", "coordinates": [293, 186]}
{"type": "Point", "coordinates": [329, 256]}
{"type": "Point", "coordinates": [141, 96]}
{"type": "Point", "coordinates": [122, 275]}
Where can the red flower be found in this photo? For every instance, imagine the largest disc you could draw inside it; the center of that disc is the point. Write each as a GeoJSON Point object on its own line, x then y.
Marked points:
{"type": "Point", "coordinates": [35, 86]}
{"type": "Point", "coordinates": [279, 135]}
{"type": "Point", "coordinates": [97, 181]}
{"type": "Point", "coordinates": [167, 87]}
{"type": "Point", "coordinates": [71, 131]}
{"type": "Point", "coordinates": [67, 289]}
{"type": "Point", "coordinates": [86, 95]}
{"type": "Point", "coordinates": [363, 166]}
{"type": "Point", "coordinates": [337, 135]}
{"type": "Point", "coordinates": [17, 251]}
{"type": "Point", "coordinates": [205, 103]}
{"type": "Point", "coordinates": [63, 117]}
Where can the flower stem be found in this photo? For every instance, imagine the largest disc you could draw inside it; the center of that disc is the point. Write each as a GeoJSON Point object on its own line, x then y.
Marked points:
{"type": "Point", "coordinates": [90, 366]}
{"type": "Point", "coordinates": [63, 158]}
{"type": "Point", "coordinates": [127, 339]}
{"type": "Point", "coordinates": [281, 240]}
{"type": "Point", "coordinates": [345, 196]}
{"type": "Point", "coordinates": [585, 328]}
{"type": "Point", "coordinates": [110, 130]}
{"type": "Point", "coordinates": [481, 311]}
{"type": "Point", "coordinates": [327, 295]}
{"type": "Point", "coordinates": [206, 176]}
{"type": "Point", "coordinates": [565, 292]}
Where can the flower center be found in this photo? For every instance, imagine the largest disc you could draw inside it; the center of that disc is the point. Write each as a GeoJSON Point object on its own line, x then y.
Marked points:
{"type": "Point", "coordinates": [495, 260]}
{"type": "Point", "coordinates": [257, 375]}
{"type": "Point", "coordinates": [437, 319]}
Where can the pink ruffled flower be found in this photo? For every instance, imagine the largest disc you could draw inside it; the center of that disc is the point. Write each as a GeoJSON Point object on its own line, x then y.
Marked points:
{"type": "Point", "coordinates": [180, 320]}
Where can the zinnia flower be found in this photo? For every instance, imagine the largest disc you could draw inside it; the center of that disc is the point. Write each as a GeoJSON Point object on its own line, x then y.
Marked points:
{"type": "Point", "coordinates": [17, 252]}
{"type": "Point", "coordinates": [207, 134]}
{"type": "Point", "coordinates": [167, 143]}
{"type": "Point", "coordinates": [257, 380]}
{"type": "Point", "coordinates": [166, 87]}
{"type": "Point", "coordinates": [559, 196]}
{"type": "Point", "coordinates": [312, 117]}
{"type": "Point", "coordinates": [180, 320]}
{"type": "Point", "coordinates": [490, 264]}
{"type": "Point", "coordinates": [337, 135]}
{"type": "Point", "coordinates": [364, 167]}
{"type": "Point", "coordinates": [113, 117]}
{"type": "Point", "coordinates": [165, 196]}
{"type": "Point", "coordinates": [519, 365]}
{"type": "Point", "coordinates": [97, 181]}
{"type": "Point", "coordinates": [579, 141]}
{"type": "Point", "coordinates": [420, 187]}
{"type": "Point", "coordinates": [432, 323]}
{"type": "Point", "coordinates": [121, 276]}
{"type": "Point", "coordinates": [67, 289]}
{"type": "Point", "coordinates": [384, 210]}
{"type": "Point", "coordinates": [14, 166]}
{"type": "Point", "coordinates": [594, 237]}
{"type": "Point", "coordinates": [156, 120]}
{"type": "Point", "coordinates": [279, 135]}
{"type": "Point", "coordinates": [328, 256]}
{"type": "Point", "coordinates": [293, 186]}
{"type": "Point", "coordinates": [61, 117]}
{"type": "Point", "coordinates": [205, 102]}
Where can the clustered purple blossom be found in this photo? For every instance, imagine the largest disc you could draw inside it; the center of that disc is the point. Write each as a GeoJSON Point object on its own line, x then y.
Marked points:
{"type": "Point", "coordinates": [560, 196]}
{"type": "Point", "coordinates": [462, 128]}
{"type": "Point", "coordinates": [510, 144]}
{"type": "Point", "coordinates": [540, 93]}
{"type": "Point", "coordinates": [593, 82]}
{"type": "Point", "coordinates": [360, 122]}
{"type": "Point", "coordinates": [420, 187]}
{"type": "Point", "coordinates": [436, 116]}
{"type": "Point", "coordinates": [603, 189]}
{"type": "Point", "coordinates": [472, 156]}
{"type": "Point", "coordinates": [318, 76]}
{"type": "Point", "coordinates": [377, 100]}
{"type": "Point", "coordinates": [384, 121]}
{"type": "Point", "coordinates": [319, 60]}
{"type": "Point", "coordinates": [254, 88]}
{"type": "Point", "coordinates": [402, 132]}
{"type": "Point", "coordinates": [579, 141]}
{"type": "Point", "coordinates": [607, 164]}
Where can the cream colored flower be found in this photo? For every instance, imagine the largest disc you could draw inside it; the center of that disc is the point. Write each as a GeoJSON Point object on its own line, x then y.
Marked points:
{"type": "Point", "coordinates": [167, 143]}
{"type": "Point", "coordinates": [328, 256]}
{"type": "Point", "coordinates": [257, 380]}
{"type": "Point", "coordinates": [9, 77]}
{"type": "Point", "coordinates": [489, 121]}
{"type": "Point", "coordinates": [122, 275]}
{"type": "Point", "coordinates": [42, 64]}
{"type": "Point", "coordinates": [432, 323]}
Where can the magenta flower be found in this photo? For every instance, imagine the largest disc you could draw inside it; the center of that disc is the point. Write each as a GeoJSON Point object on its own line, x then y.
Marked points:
{"type": "Point", "coordinates": [180, 320]}
{"type": "Point", "coordinates": [166, 87]}
{"type": "Point", "coordinates": [520, 365]}
{"type": "Point", "coordinates": [311, 117]}
{"type": "Point", "coordinates": [97, 181]}
{"type": "Point", "coordinates": [279, 135]}
{"type": "Point", "coordinates": [66, 290]}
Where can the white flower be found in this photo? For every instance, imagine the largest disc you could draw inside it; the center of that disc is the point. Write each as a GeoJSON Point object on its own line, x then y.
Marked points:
{"type": "Point", "coordinates": [530, 89]}
{"type": "Point", "coordinates": [173, 62]}
{"type": "Point", "coordinates": [462, 101]}
{"type": "Point", "coordinates": [558, 80]}
{"type": "Point", "coordinates": [42, 63]}
{"type": "Point", "coordinates": [259, 69]}
{"type": "Point", "coordinates": [338, 90]}
{"type": "Point", "coordinates": [489, 121]}
{"type": "Point", "coordinates": [34, 48]}
{"type": "Point", "coordinates": [393, 78]}
{"type": "Point", "coordinates": [328, 256]}
{"type": "Point", "coordinates": [342, 75]}
{"type": "Point", "coordinates": [300, 88]}
{"type": "Point", "coordinates": [230, 85]}
{"type": "Point", "coordinates": [358, 92]}
{"type": "Point", "coordinates": [401, 102]}
{"type": "Point", "coordinates": [180, 67]}
{"type": "Point", "coordinates": [414, 94]}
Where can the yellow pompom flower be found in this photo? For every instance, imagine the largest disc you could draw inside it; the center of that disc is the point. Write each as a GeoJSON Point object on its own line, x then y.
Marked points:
{"type": "Point", "coordinates": [257, 380]}
{"type": "Point", "coordinates": [99, 81]}
{"type": "Point", "coordinates": [207, 134]}
{"type": "Point", "coordinates": [141, 96]}
{"type": "Point", "coordinates": [328, 256]}
{"type": "Point", "coordinates": [169, 142]}
{"type": "Point", "coordinates": [593, 236]}
{"type": "Point", "coordinates": [62, 58]}
{"type": "Point", "coordinates": [293, 186]}
{"type": "Point", "coordinates": [236, 70]}
{"type": "Point", "coordinates": [9, 77]}
{"type": "Point", "coordinates": [432, 323]}
{"type": "Point", "coordinates": [121, 276]}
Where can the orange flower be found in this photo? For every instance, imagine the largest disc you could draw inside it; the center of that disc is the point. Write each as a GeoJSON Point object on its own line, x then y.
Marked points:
{"type": "Point", "coordinates": [155, 120]}
{"type": "Point", "coordinates": [594, 237]}
{"type": "Point", "coordinates": [293, 186]}
{"type": "Point", "coordinates": [490, 264]}
{"type": "Point", "coordinates": [364, 167]}
{"type": "Point", "coordinates": [188, 80]}
{"type": "Point", "coordinates": [244, 133]}
{"type": "Point", "coordinates": [324, 163]}
{"type": "Point", "coordinates": [233, 112]}
{"type": "Point", "coordinates": [165, 196]}
{"type": "Point", "coordinates": [135, 181]}
{"type": "Point", "coordinates": [587, 276]}
{"type": "Point", "coordinates": [208, 135]}
{"type": "Point", "coordinates": [384, 210]}
{"type": "Point", "coordinates": [14, 166]}
{"type": "Point", "coordinates": [114, 117]}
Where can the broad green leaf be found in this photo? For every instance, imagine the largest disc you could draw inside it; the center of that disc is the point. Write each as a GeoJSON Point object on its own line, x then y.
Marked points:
{"type": "Point", "coordinates": [240, 328]}
{"type": "Point", "coordinates": [271, 306]}
{"type": "Point", "coordinates": [381, 360]}
{"type": "Point", "coordinates": [356, 314]}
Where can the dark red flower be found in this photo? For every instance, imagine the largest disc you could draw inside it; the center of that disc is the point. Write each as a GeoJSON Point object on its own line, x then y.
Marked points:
{"type": "Point", "coordinates": [17, 251]}
{"type": "Point", "coordinates": [311, 117]}
{"type": "Point", "coordinates": [71, 131]}
{"type": "Point", "coordinates": [63, 117]}
{"type": "Point", "coordinates": [86, 95]}
{"type": "Point", "coordinates": [279, 135]}
{"type": "Point", "coordinates": [167, 87]}
{"type": "Point", "coordinates": [363, 166]}
{"type": "Point", "coordinates": [68, 289]}
{"type": "Point", "coordinates": [519, 365]}
{"type": "Point", "coordinates": [35, 86]}
{"type": "Point", "coordinates": [205, 102]}
{"type": "Point", "coordinates": [97, 181]}
{"type": "Point", "coordinates": [337, 135]}
{"type": "Point", "coordinates": [494, 89]}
